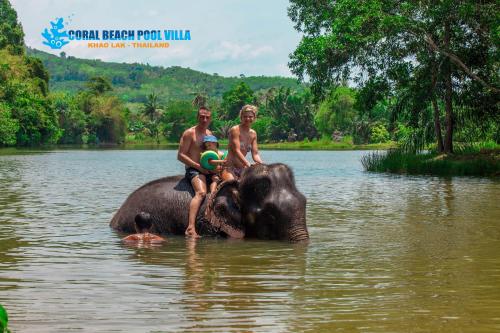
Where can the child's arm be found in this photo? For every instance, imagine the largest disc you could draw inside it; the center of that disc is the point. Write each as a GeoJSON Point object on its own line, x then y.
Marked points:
{"type": "Point", "coordinates": [220, 161]}
{"type": "Point", "coordinates": [217, 162]}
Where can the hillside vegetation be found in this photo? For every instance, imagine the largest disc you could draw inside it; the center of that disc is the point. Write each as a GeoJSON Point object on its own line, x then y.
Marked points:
{"type": "Point", "coordinates": [133, 82]}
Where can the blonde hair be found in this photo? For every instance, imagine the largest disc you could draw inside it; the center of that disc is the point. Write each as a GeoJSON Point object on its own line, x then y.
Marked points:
{"type": "Point", "coordinates": [249, 108]}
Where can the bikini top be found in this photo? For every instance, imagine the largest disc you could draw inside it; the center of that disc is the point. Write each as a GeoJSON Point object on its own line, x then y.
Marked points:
{"type": "Point", "coordinates": [247, 148]}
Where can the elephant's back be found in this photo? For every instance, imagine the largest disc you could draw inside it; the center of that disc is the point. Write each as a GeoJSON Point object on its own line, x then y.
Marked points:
{"type": "Point", "coordinates": [165, 199]}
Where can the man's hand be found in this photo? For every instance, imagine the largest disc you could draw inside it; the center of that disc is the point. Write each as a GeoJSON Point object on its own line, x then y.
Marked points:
{"type": "Point", "coordinates": [203, 170]}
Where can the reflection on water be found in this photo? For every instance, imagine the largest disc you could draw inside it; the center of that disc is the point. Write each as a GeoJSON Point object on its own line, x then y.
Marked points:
{"type": "Point", "coordinates": [387, 253]}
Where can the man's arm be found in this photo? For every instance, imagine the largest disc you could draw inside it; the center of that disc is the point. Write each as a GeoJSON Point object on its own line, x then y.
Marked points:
{"type": "Point", "coordinates": [131, 238]}
{"type": "Point", "coordinates": [255, 151]}
{"type": "Point", "coordinates": [182, 154]}
{"type": "Point", "coordinates": [234, 143]}
{"type": "Point", "coordinates": [156, 238]}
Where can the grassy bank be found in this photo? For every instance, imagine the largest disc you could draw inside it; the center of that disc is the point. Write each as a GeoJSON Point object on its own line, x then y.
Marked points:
{"type": "Point", "coordinates": [131, 142]}
{"type": "Point", "coordinates": [325, 145]}
{"type": "Point", "coordinates": [485, 162]}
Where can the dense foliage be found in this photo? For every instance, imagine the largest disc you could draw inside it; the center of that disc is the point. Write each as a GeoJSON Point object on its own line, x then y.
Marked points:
{"type": "Point", "coordinates": [433, 62]}
{"type": "Point", "coordinates": [133, 82]}
{"type": "Point", "coordinates": [425, 72]}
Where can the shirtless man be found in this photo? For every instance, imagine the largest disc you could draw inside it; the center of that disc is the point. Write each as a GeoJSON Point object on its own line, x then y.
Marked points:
{"type": "Point", "coordinates": [243, 139]}
{"type": "Point", "coordinates": [190, 149]}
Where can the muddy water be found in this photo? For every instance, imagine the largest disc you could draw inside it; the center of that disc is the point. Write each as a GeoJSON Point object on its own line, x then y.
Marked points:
{"type": "Point", "coordinates": [387, 253]}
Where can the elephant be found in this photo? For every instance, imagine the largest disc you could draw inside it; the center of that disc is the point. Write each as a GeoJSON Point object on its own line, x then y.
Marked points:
{"type": "Point", "coordinates": [263, 204]}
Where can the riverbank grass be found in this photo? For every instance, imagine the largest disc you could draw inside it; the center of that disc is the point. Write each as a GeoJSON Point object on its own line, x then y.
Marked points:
{"type": "Point", "coordinates": [325, 145]}
{"type": "Point", "coordinates": [132, 141]}
{"type": "Point", "coordinates": [485, 162]}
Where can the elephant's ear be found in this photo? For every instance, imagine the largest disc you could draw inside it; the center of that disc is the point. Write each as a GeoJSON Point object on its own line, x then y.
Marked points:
{"type": "Point", "coordinates": [223, 210]}
{"type": "Point", "coordinates": [255, 188]}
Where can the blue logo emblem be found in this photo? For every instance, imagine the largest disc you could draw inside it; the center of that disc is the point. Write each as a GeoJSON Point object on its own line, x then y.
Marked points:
{"type": "Point", "coordinates": [56, 38]}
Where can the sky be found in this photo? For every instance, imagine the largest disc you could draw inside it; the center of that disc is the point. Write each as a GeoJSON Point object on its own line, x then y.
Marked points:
{"type": "Point", "coordinates": [228, 37]}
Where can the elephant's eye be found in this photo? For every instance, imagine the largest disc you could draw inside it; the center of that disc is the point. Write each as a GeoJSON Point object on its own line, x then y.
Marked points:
{"type": "Point", "coordinates": [261, 189]}
{"type": "Point", "coordinates": [255, 190]}
{"type": "Point", "coordinates": [258, 189]}
{"type": "Point", "coordinates": [271, 214]}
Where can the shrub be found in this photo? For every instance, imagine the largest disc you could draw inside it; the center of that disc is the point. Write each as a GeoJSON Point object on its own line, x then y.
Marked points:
{"type": "Point", "coordinates": [262, 126]}
{"type": "Point", "coordinates": [397, 161]}
{"type": "Point", "coordinates": [379, 134]}
{"type": "Point", "coordinates": [8, 126]}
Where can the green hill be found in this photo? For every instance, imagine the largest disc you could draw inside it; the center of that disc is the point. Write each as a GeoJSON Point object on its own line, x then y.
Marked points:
{"type": "Point", "coordinates": [133, 82]}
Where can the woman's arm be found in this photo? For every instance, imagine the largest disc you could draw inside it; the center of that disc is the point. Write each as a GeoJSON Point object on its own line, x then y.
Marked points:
{"type": "Point", "coordinates": [255, 151]}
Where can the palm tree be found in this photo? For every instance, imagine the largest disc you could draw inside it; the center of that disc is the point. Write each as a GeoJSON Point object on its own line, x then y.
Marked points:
{"type": "Point", "coordinates": [152, 109]}
{"type": "Point", "coordinates": [200, 99]}
{"type": "Point", "coordinates": [224, 127]}
{"type": "Point", "coordinates": [98, 85]}
{"type": "Point", "coordinates": [153, 112]}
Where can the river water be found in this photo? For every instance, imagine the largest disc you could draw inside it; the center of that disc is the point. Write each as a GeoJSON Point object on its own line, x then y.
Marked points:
{"type": "Point", "coordinates": [387, 253]}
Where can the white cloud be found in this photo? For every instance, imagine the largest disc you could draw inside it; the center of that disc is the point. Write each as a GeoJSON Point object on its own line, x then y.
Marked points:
{"type": "Point", "coordinates": [228, 50]}
{"type": "Point", "coordinates": [228, 36]}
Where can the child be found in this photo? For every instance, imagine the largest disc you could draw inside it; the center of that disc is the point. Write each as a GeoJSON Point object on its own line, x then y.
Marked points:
{"type": "Point", "coordinates": [142, 226]}
{"type": "Point", "coordinates": [210, 143]}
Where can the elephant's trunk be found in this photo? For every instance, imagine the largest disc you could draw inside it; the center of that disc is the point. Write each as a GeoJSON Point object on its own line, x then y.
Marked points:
{"type": "Point", "coordinates": [298, 231]}
{"type": "Point", "coordinates": [298, 234]}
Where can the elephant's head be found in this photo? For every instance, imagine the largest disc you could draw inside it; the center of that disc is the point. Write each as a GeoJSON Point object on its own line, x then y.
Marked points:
{"type": "Point", "coordinates": [223, 211]}
{"type": "Point", "coordinates": [270, 204]}
{"type": "Point", "coordinates": [264, 204]}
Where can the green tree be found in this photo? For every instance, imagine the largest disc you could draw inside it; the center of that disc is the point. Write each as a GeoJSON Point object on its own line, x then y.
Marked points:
{"type": "Point", "coordinates": [153, 112]}
{"type": "Point", "coordinates": [222, 127]}
{"type": "Point", "coordinates": [292, 115]}
{"type": "Point", "coordinates": [26, 117]}
{"type": "Point", "coordinates": [99, 85]}
{"type": "Point", "coordinates": [234, 99]}
{"type": "Point", "coordinates": [39, 74]}
{"type": "Point", "coordinates": [72, 120]}
{"type": "Point", "coordinates": [379, 134]}
{"type": "Point", "coordinates": [37, 121]}
{"type": "Point", "coordinates": [200, 99]}
{"type": "Point", "coordinates": [104, 114]}
{"type": "Point", "coordinates": [336, 112]}
{"type": "Point", "coordinates": [11, 31]}
{"type": "Point", "coordinates": [8, 126]}
{"type": "Point", "coordinates": [262, 126]}
{"type": "Point", "coordinates": [24, 101]}
{"type": "Point", "coordinates": [449, 41]}
{"type": "Point", "coordinates": [107, 120]}
{"type": "Point", "coordinates": [179, 116]}
{"type": "Point", "coordinates": [152, 109]}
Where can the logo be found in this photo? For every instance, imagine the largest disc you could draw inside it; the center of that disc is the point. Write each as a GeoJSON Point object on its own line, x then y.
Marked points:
{"type": "Point", "coordinates": [55, 39]}
{"type": "Point", "coordinates": [57, 36]}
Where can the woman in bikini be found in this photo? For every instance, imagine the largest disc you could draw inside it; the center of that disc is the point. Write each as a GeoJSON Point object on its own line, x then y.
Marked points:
{"type": "Point", "coordinates": [242, 139]}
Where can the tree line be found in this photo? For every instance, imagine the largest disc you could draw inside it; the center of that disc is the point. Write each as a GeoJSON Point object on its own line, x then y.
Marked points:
{"type": "Point", "coordinates": [424, 73]}
{"type": "Point", "coordinates": [434, 64]}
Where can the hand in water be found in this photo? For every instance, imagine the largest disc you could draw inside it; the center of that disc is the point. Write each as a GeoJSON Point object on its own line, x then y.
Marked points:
{"type": "Point", "coordinates": [191, 233]}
